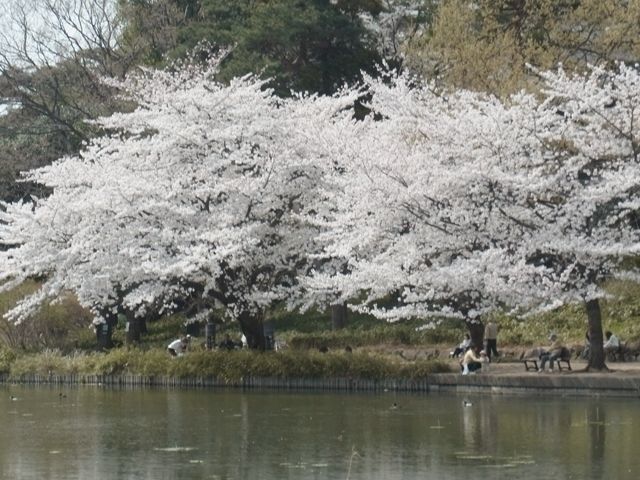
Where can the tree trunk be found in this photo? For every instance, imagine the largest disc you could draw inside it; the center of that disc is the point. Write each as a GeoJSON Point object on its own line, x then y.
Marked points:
{"type": "Point", "coordinates": [338, 316]}
{"type": "Point", "coordinates": [596, 355]}
{"type": "Point", "coordinates": [104, 336]}
{"type": "Point", "coordinates": [104, 332]}
{"type": "Point", "coordinates": [253, 330]}
{"type": "Point", "coordinates": [142, 324]}
{"type": "Point", "coordinates": [193, 329]}
{"type": "Point", "coordinates": [476, 331]}
{"type": "Point", "coordinates": [133, 329]}
{"type": "Point", "coordinates": [210, 335]}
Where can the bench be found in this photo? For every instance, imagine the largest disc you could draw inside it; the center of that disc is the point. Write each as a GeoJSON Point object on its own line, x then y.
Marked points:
{"type": "Point", "coordinates": [532, 357]}
{"type": "Point", "coordinates": [623, 353]}
{"type": "Point", "coordinates": [532, 363]}
{"type": "Point", "coordinates": [615, 355]}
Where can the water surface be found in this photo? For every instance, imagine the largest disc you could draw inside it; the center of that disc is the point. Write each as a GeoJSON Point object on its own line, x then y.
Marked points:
{"type": "Point", "coordinates": [96, 433]}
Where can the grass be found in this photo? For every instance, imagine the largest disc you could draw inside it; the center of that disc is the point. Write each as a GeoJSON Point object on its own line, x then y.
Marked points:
{"type": "Point", "coordinates": [221, 364]}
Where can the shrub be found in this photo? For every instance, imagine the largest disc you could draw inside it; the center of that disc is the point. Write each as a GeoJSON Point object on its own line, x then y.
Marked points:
{"type": "Point", "coordinates": [59, 325]}
{"type": "Point", "coordinates": [7, 357]}
{"type": "Point", "coordinates": [377, 334]}
{"type": "Point", "coordinates": [44, 363]}
{"type": "Point", "coordinates": [114, 362]}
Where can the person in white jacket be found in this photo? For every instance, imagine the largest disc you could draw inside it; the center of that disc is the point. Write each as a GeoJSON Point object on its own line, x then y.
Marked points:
{"type": "Point", "coordinates": [612, 344]}
{"type": "Point", "coordinates": [178, 347]}
{"type": "Point", "coordinates": [473, 360]}
{"type": "Point", "coordinates": [463, 347]}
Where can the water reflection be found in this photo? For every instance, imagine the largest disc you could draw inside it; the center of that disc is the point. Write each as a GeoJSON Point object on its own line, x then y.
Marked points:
{"type": "Point", "coordinates": [596, 422]}
{"type": "Point", "coordinates": [151, 434]}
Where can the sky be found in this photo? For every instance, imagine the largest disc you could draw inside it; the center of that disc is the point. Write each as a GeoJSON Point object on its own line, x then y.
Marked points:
{"type": "Point", "coordinates": [45, 29]}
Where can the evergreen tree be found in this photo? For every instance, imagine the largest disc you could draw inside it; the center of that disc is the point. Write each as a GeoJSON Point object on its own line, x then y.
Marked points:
{"type": "Point", "coordinates": [303, 45]}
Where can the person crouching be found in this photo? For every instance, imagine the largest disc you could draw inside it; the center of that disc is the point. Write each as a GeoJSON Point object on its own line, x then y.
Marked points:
{"type": "Point", "coordinates": [178, 347]}
{"type": "Point", "coordinates": [472, 360]}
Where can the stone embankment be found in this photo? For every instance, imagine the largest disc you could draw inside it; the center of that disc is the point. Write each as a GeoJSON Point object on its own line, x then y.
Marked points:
{"type": "Point", "coordinates": [622, 380]}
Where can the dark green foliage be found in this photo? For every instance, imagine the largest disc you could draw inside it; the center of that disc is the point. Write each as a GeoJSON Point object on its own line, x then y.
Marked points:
{"type": "Point", "coordinates": [55, 103]}
{"type": "Point", "coordinates": [380, 334]}
{"type": "Point", "coordinates": [303, 45]}
{"type": "Point", "coordinates": [28, 141]}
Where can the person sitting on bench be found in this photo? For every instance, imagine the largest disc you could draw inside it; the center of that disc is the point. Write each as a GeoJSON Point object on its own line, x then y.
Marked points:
{"type": "Point", "coordinates": [555, 351]}
{"type": "Point", "coordinates": [612, 345]}
{"type": "Point", "coordinates": [463, 347]}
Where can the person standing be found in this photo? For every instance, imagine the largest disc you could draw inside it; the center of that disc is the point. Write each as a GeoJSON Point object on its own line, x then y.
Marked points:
{"type": "Point", "coordinates": [491, 339]}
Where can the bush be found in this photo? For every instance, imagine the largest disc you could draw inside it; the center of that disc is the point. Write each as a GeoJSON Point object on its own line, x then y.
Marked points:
{"type": "Point", "coordinates": [44, 363]}
{"type": "Point", "coordinates": [7, 357]}
{"type": "Point", "coordinates": [378, 334]}
{"type": "Point", "coordinates": [59, 325]}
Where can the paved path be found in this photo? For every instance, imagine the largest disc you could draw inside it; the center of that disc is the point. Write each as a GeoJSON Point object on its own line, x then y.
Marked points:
{"type": "Point", "coordinates": [578, 366]}
{"type": "Point", "coordinates": [622, 380]}
{"type": "Point", "coordinates": [517, 368]}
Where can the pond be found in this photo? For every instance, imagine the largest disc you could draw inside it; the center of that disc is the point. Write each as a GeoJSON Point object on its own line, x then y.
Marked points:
{"type": "Point", "coordinates": [96, 433]}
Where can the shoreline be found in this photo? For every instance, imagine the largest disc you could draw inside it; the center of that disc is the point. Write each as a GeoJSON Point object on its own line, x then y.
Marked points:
{"type": "Point", "coordinates": [503, 379]}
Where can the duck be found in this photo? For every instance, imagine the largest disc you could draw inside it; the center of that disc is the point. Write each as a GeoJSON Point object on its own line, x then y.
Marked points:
{"type": "Point", "coordinates": [466, 403]}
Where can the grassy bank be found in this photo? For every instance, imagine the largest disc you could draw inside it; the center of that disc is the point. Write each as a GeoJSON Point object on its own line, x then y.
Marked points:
{"type": "Point", "coordinates": [221, 364]}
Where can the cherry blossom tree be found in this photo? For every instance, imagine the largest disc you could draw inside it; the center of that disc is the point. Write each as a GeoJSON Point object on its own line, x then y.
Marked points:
{"type": "Point", "coordinates": [191, 196]}
{"type": "Point", "coordinates": [429, 208]}
{"type": "Point", "coordinates": [593, 216]}
{"type": "Point", "coordinates": [439, 203]}
{"type": "Point", "coordinates": [458, 204]}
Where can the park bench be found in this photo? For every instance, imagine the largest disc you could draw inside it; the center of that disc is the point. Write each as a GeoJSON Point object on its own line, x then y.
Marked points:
{"type": "Point", "coordinates": [532, 358]}
{"type": "Point", "coordinates": [617, 355]}
{"type": "Point", "coordinates": [626, 352]}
